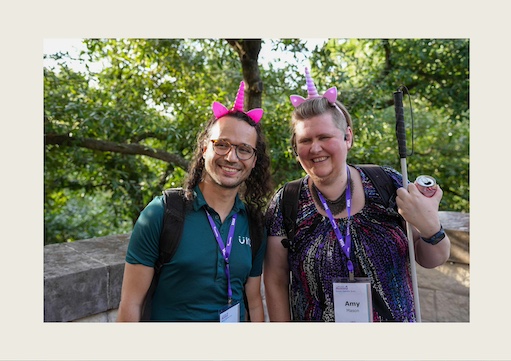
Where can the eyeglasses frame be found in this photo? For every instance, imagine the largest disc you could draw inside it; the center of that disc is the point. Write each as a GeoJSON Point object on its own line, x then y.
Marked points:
{"type": "Point", "coordinates": [230, 148]}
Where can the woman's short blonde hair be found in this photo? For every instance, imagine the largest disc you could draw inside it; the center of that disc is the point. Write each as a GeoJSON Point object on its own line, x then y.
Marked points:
{"type": "Point", "coordinates": [317, 106]}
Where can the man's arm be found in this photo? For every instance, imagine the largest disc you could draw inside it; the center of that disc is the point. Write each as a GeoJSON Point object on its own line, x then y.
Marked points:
{"type": "Point", "coordinates": [255, 301]}
{"type": "Point", "coordinates": [136, 282]}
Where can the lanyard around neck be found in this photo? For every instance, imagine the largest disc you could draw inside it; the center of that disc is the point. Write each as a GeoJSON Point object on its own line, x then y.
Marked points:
{"type": "Point", "coordinates": [226, 249]}
{"type": "Point", "coordinates": [345, 246]}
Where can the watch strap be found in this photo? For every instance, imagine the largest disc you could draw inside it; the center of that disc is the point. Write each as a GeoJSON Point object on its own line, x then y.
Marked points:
{"type": "Point", "coordinates": [437, 237]}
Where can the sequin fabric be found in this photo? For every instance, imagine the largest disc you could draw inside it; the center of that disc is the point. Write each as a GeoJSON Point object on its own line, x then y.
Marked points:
{"type": "Point", "coordinates": [379, 251]}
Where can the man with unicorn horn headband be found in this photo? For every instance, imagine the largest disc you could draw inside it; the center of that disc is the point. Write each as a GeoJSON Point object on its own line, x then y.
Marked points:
{"type": "Point", "coordinates": [227, 185]}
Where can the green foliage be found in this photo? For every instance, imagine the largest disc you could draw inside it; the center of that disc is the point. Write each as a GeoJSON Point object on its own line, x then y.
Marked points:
{"type": "Point", "coordinates": [151, 92]}
{"type": "Point", "coordinates": [436, 74]}
{"type": "Point", "coordinates": [81, 216]}
{"type": "Point", "coordinates": [158, 93]}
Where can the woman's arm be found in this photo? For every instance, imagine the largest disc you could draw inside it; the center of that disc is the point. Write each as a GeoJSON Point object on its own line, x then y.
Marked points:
{"type": "Point", "coordinates": [422, 213]}
{"type": "Point", "coordinates": [136, 281]}
{"type": "Point", "coordinates": [276, 280]}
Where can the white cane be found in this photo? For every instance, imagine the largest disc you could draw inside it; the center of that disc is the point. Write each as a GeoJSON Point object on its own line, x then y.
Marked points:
{"type": "Point", "coordinates": [401, 141]}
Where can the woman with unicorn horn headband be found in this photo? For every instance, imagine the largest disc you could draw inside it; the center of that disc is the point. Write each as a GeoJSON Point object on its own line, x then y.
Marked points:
{"type": "Point", "coordinates": [220, 253]}
{"type": "Point", "coordinates": [346, 257]}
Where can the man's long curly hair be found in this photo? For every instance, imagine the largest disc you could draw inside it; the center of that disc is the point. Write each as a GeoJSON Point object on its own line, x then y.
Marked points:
{"type": "Point", "coordinates": [256, 189]}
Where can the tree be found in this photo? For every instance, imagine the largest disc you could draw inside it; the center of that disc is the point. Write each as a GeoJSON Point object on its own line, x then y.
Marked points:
{"type": "Point", "coordinates": [116, 137]}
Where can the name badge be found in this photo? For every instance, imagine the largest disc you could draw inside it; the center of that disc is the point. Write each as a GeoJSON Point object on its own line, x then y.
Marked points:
{"type": "Point", "coordinates": [230, 314]}
{"type": "Point", "coordinates": [352, 300]}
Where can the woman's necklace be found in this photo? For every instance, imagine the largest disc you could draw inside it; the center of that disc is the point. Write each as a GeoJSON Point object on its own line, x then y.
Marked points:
{"type": "Point", "coordinates": [336, 206]}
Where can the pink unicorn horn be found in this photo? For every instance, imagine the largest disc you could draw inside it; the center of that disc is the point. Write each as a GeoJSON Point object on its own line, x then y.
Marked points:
{"type": "Point", "coordinates": [296, 100]}
{"type": "Point", "coordinates": [311, 88]}
{"type": "Point", "coordinates": [238, 103]}
{"type": "Point", "coordinates": [254, 114]}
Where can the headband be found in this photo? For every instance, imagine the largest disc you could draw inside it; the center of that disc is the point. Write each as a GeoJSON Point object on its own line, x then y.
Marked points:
{"type": "Point", "coordinates": [220, 110]}
{"type": "Point", "coordinates": [330, 94]}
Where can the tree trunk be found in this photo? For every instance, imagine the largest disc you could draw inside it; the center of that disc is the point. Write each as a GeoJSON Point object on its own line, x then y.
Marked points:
{"type": "Point", "coordinates": [248, 51]}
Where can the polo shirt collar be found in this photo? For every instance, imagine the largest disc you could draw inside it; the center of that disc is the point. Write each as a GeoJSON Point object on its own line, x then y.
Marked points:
{"type": "Point", "coordinates": [200, 202]}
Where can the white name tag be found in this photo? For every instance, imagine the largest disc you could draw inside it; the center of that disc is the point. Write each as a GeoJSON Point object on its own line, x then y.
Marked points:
{"type": "Point", "coordinates": [231, 313]}
{"type": "Point", "coordinates": [352, 300]}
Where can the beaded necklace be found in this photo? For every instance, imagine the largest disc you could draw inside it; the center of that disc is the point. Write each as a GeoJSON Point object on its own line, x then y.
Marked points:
{"type": "Point", "coordinates": [336, 206]}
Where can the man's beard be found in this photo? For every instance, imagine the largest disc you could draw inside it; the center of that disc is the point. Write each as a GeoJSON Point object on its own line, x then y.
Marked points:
{"type": "Point", "coordinates": [220, 184]}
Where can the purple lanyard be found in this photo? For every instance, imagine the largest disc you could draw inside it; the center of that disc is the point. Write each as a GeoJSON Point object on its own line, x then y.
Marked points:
{"type": "Point", "coordinates": [226, 250]}
{"type": "Point", "coordinates": [344, 246]}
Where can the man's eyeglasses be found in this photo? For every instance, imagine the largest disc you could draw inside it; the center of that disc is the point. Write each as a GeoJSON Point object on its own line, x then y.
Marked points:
{"type": "Point", "coordinates": [223, 147]}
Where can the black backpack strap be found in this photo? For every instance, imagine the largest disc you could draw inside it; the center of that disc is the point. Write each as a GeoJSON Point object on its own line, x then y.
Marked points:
{"type": "Point", "coordinates": [289, 206]}
{"type": "Point", "coordinates": [382, 182]}
{"type": "Point", "coordinates": [384, 186]}
{"type": "Point", "coordinates": [256, 232]}
{"type": "Point", "coordinates": [256, 238]}
{"type": "Point", "coordinates": [172, 228]}
{"type": "Point", "coordinates": [170, 236]}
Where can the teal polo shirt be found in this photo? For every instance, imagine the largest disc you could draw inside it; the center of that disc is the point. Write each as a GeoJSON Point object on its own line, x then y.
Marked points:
{"type": "Point", "coordinates": [193, 285]}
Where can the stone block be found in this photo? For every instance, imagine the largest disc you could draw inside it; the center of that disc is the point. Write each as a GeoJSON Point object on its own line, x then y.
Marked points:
{"type": "Point", "coordinates": [460, 251]}
{"type": "Point", "coordinates": [455, 220]}
{"type": "Point", "coordinates": [115, 285]}
{"type": "Point", "coordinates": [112, 315]}
{"type": "Point", "coordinates": [457, 227]}
{"type": "Point", "coordinates": [427, 305]}
{"type": "Point", "coordinates": [444, 292]}
{"type": "Point", "coordinates": [109, 316]}
{"type": "Point", "coordinates": [454, 308]}
{"type": "Point", "coordinates": [450, 276]}
{"type": "Point", "coordinates": [75, 295]}
{"type": "Point", "coordinates": [100, 317]}
{"type": "Point", "coordinates": [83, 278]}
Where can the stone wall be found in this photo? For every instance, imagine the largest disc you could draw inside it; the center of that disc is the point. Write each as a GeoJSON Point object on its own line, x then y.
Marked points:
{"type": "Point", "coordinates": [82, 279]}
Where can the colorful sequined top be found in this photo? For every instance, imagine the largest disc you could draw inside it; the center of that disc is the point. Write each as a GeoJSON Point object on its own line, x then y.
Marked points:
{"type": "Point", "coordinates": [379, 251]}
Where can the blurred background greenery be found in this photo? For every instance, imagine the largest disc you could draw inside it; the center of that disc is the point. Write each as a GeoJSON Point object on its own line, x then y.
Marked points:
{"type": "Point", "coordinates": [122, 127]}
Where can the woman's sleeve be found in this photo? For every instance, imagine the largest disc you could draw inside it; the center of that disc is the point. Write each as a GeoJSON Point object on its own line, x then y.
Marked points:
{"type": "Point", "coordinates": [274, 218]}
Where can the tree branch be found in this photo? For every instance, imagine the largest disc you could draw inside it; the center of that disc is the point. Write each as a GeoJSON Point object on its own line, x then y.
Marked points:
{"type": "Point", "coordinates": [139, 137]}
{"type": "Point", "coordinates": [107, 146]}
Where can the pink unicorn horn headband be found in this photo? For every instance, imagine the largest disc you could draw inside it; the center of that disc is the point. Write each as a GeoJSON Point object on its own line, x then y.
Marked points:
{"type": "Point", "coordinates": [220, 110]}
{"type": "Point", "coordinates": [330, 94]}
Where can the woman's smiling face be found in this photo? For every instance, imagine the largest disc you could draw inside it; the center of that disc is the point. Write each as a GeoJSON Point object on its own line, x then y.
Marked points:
{"type": "Point", "coordinates": [321, 147]}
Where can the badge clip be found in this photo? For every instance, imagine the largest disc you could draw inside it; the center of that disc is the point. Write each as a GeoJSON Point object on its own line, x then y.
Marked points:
{"type": "Point", "coordinates": [352, 277]}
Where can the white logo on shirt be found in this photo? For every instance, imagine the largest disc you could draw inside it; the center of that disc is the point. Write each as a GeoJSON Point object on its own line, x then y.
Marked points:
{"type": "Point", "coordinates": [244, 240]}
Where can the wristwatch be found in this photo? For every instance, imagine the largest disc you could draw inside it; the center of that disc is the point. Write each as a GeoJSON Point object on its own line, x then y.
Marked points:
{"type": "Point", "coordinates": [437, 237]}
